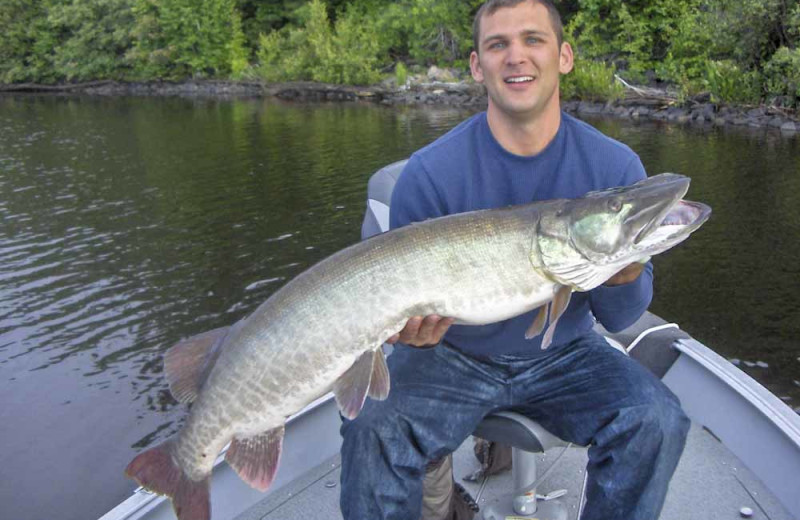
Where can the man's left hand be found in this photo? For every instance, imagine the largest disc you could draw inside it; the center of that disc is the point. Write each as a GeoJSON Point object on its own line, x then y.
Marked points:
{"type": "Point", "coordinates": [628, 274]}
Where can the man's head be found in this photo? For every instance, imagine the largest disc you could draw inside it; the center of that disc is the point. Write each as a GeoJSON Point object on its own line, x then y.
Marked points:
{"type": "Point", "coordinates": [490, 6]}
{"type": "Point", "coordinates": [519, 57]}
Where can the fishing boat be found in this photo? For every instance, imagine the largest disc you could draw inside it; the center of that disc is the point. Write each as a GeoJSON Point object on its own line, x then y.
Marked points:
{"type": "Point", "coordinates": [742, 458]}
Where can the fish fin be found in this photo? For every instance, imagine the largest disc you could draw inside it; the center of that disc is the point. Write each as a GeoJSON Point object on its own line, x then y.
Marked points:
{"type": "Point", "coordinates": [156, 470]}
{"type": "Point", "coordinates": [557, 308]}
{"type": "Point", "coordinates": [379, 382]}
{"type": "Point", "coordinates": [538, 324]}
{"type": "Point", "coordinates": [352, 386]}
{"type": "Point", "coordinates": [255, 459]}
{"type": "Point", "coordinates": [185, 363]}
{"type": "Point", "coordinates": [582, 276]}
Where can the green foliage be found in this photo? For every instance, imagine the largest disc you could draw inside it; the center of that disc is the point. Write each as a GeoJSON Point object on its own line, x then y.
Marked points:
{"type": "Point", "coordinates": [25, 42]}
{"type": "Point", "coordinates": [179, 38]}
{"type": "Point", "coordinates": [93, 38]}
{"type": "Point", "coordinates": [428, 31]}
{"type": "Point", "coordinates": [591, 80]}
{"type": "Point", "coordinates": [636, 35]}
{"type": "Point", "coordinates": [345, 53]}
{"type": "Point", "coordinates": [782, 76]}
{"type": "Point", "coordinates": [728, 82]}
{"type": "Point", "coordinates": [400, 74]}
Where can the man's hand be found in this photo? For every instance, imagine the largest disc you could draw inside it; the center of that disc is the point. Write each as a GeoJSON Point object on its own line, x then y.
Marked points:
{"type": "Point", "coordinates": [420, 332]}
{"type": "Point", "coordinates": [628, 274]}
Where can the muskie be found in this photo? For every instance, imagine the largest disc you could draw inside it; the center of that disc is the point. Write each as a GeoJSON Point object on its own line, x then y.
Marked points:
{"type": "Point", "coordinates": [323, 330]}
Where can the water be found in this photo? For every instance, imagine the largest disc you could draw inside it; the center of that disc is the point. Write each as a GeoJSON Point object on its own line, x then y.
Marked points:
{"type": "Point", "coordinates": [128, 224]}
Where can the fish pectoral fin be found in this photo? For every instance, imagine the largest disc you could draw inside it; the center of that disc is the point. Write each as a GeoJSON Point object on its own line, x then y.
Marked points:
{"type": "Point", "coordinates": [557, 308]}
{"type": "Point", "coordinates": [379, 382]}
{"type": "Point", "coordinates": [351, 388]}
{"type": "Point", "coordinates": [185, 363]}
{"type": "Point", "coordinates": [255, 459]}
{"type": "Point", "coordinates": [538, 324]}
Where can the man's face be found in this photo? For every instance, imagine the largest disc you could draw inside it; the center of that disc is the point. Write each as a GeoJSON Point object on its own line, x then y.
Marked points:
{"type": "Point", "coordinates": [520, 60]}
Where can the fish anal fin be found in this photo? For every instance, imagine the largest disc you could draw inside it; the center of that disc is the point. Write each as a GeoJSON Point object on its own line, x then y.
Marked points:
{"type": "Point", "coordinates": [557, 308]}
{"type": "Point", "coordinates": [255, 459]}
{"type": "Point", "coordinates": [351, 388]}
{"type": "Point", "coordinates": [538, 324]}
{"type": "Point", "coordinates": [379, 382]}
{"type": "Point", "coordinates": [156, 470]}
{"type": "Point", "coordinates": [185, 363]}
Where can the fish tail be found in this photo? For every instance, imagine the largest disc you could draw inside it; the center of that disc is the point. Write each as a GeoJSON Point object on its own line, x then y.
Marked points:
{"type": "Point", "coordinates": [156, 470]}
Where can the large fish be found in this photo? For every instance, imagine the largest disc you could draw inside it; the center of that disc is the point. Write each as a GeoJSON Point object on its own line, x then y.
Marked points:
{"type": "Point", "coordinates": [323, 330]}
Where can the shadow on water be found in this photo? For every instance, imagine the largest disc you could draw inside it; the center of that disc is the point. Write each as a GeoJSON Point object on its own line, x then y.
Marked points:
{"type": "Point", "coordinates": [128, 224]}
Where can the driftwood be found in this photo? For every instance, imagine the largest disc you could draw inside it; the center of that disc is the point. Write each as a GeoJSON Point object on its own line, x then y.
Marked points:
{"type": "Point", "coordinates": [647, 93]}
{"type": "Point", "coordinates": [35, 87]}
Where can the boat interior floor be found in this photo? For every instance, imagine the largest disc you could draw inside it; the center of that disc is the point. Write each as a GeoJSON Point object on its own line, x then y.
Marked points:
{"type": "Point", "coordinates": [710, 483]}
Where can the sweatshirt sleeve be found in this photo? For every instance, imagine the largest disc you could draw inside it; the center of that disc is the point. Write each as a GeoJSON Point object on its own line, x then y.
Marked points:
{"type": "Point", "coordinates": [414, 197]}
{"type": "Point", "coordinates": [617, 307]}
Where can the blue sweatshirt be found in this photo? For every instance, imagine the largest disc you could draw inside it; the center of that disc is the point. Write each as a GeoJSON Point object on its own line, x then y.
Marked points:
{"type": "Point", "coordinates": [467, 169]}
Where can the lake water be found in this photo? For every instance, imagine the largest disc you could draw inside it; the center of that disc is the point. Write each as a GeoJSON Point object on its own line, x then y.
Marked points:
{"type": "Point", "coordinates": [127, 224]}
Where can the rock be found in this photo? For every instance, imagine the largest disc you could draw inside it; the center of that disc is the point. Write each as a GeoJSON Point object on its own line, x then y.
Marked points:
{"type": "Point", "coordinates": [443, 75]}
{"type": "Point", "coordinates": [756, 112]}
{"type": "Point", "coordinates": [789, 127]}
{"type": "Point", "coordinates": [776, 122]}
{"type": "Point", "coordinates": [590, 108]}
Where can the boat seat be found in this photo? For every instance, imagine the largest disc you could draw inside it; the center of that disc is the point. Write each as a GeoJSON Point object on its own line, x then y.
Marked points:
{"type": "Point", "coordinates": [525, 436]}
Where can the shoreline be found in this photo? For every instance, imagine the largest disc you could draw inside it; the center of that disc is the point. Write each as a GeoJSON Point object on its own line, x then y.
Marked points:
{"type": "Point", "coordinates": [465, 94]}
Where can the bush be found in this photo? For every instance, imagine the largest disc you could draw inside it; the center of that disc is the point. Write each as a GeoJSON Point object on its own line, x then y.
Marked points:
{"type": "Point", "coordinates": [782, 76]}
{"type": "Point", "coordinates": [179, 38]}
{"type": "Point", "coordinates": [728, 82]}
{"type": "Point", "coordinates": [346, 53]}
{"type": "Point", "coordinates": [400, 74]}
{"type": "Point", "coordinates": [591, 80]}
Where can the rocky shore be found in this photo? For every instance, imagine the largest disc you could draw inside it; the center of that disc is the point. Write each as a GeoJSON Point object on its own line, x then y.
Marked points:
{"type": "Point", "coordinates": [441, 87]}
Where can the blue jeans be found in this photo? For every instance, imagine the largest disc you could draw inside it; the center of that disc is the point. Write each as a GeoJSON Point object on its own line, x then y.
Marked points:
{"type": "Point", "coordinates": [585, 392]}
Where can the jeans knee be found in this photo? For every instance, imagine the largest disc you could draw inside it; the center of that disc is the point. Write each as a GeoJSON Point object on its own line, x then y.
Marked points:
{"type": "Point", "coordinates": [664, 423]}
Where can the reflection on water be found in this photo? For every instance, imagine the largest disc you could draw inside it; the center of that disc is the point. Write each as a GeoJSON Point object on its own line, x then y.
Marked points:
{"type": "Point", "coordinates": [128, 224]}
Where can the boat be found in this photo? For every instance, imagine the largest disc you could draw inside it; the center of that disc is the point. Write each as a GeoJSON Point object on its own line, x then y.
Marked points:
{"type": "Point", "coordinates": [742, 458]}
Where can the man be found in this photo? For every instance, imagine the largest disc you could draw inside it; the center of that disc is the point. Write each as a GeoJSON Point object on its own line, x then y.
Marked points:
{"type": "Point", "coordinates": [523, 148]}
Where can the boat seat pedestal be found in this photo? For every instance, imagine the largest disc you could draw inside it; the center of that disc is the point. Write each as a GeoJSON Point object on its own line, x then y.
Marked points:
{"type": "Point", "coordinates": [526, 438]}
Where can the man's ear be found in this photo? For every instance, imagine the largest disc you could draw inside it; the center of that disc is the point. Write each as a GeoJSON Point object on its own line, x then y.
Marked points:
{"type": "Point", "coordinates": [475, 67]}
{"type": "Point", "coordinates": [566, 60]}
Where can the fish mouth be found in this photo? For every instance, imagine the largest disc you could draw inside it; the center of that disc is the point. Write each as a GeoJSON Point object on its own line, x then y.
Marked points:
{"type": "Point", "coordinates": [681, 218]}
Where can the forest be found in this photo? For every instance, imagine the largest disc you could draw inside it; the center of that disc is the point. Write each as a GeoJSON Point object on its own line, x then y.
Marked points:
{"type": "Point", "coordinates": [738, 51]}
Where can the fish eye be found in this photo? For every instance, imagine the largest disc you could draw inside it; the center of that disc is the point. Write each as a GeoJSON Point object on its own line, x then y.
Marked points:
{"type": "Point", "coordinates": [615, 205]}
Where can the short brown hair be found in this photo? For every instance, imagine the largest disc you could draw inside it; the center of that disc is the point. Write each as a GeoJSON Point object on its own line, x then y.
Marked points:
{"type": "Point", "coordinates": [491, 6]}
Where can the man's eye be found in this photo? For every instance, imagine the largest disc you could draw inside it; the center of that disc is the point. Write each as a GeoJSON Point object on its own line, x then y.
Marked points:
{"type": "Point", "coordinates": [497, 45]}
{"type": "Point", "coordinates": [532, 40]}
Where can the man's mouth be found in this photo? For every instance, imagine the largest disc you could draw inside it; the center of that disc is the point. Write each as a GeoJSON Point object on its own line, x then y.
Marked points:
{"type": "Point", "coordinates": [519, 79]}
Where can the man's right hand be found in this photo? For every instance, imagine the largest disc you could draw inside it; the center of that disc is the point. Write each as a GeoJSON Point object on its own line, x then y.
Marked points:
{"type": "Point", "coordinates": [422, 332]}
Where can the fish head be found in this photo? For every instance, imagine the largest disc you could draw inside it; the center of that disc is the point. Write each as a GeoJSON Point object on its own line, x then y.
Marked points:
{"type": "Point", "coordinates": [585, 241]}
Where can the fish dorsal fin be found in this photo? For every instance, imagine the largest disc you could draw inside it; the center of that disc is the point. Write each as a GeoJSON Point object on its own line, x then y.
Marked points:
{"type": "Point", "coordinates": [557, 308]}
{"type": "Point", "coordinates": [367, 376]}
{"type": "Point", "coordinates": [185, 363]}
{"type": "Point", "coordinates": [255, 459]}
{"type": "Point", "coordinates": [379, 382]}
{"type": "Point", "coordinates": [538, 324]}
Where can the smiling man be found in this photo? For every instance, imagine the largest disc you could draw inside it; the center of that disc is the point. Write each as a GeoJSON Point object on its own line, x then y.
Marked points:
{"type": "Point", "coordinates": [446, 378]}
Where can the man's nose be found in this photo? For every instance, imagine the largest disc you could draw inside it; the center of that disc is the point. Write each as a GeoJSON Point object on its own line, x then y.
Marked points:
{"type": "Point", "coordinates": [515, 54]}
